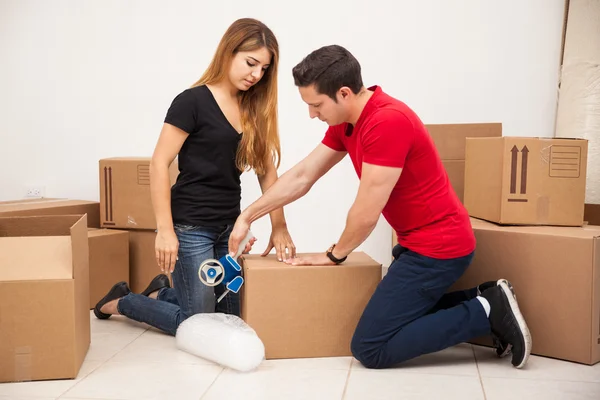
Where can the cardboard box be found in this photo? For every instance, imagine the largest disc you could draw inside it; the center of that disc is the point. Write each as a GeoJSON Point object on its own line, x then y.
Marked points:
{"type": "Point", "coordinates": [27, 200]}
{"type": "Point", "coordinates": [109, 261]}
{"type": "Point", "coordinates": [44, 295]}
{"type": "Point", "coordinates": [591, 214]}
{"type": "Point", "coordinates": [306, 311]}
{"type": "Point", "coordinates": [47, 206]}
{"type": "Point", "coordinates": [456, 175]}
{"type": "Point", "coordinates": [555, 272]}
{"type": "Point", "coordinates": [450, 142]}
{"type": "Point", "coordinates": [526, 181]}
{"type": "Point", "coordinates": [125, 199]}
{"type": "Point", "coordinates": [142, 259]}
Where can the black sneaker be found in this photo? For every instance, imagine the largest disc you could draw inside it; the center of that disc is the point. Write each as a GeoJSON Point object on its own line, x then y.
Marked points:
{"type": "Point", "coordinates": [507, 322]}
{"type": "Point", "coordinates": [485, 286]}
{"type": "Point", "coordinates": [501, 348]}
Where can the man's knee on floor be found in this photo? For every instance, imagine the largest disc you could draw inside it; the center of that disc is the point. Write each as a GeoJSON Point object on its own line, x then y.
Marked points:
{"type": "Point", "coordinates": [368, 355]}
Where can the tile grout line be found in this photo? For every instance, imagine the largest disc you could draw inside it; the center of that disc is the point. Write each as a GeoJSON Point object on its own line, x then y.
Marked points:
{"type": "Point", "coordinates": [212, 383]}
{"type": "Point", "coordinates": [347, 379]}
{"type": "Point", "coordinates": [99, 366]}
{"type": "Point", "coordinates": [479, 373]}
{"type": "Point", "coordinates": [547, 379]}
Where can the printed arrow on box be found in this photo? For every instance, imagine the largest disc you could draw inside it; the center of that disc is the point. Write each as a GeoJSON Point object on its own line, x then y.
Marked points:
{"type": "Point", "coordinates": [524, 157]}
{"type": "Point", "coordinates": [513, 169]}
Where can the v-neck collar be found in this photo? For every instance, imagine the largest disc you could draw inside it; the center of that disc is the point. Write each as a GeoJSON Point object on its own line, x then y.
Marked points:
{"type": "Point", "coordinates": [212, 96]}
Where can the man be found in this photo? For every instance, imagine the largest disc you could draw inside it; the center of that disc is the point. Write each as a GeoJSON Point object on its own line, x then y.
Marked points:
{"type": "Point", "coordinates": [402, 177]}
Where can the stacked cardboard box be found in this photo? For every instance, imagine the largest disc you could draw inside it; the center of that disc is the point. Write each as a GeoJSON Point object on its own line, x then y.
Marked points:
{"type": "Point", "coordinates": [67, 254]}
{"type": "Point", "coordinates": [109, 261]}
{"type": "Point", "coordinates": [528, 196]}
{"type": "Point", "coordinates": [450, 142]}
{"type": "Point", "coordinates": [126, 205]}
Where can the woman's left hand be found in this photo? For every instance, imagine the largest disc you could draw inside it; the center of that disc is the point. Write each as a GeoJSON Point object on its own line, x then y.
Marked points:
{"type": "Point", "coordinates": [282, 241]}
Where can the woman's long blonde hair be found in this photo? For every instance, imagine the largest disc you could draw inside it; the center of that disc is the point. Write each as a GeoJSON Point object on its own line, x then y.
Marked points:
{"type": "Point", "coordinates": [258, 105]}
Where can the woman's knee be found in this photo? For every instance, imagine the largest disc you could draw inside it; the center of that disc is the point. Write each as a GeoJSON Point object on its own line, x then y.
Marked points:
{"type": "Point", "coordinates": [193, 296]}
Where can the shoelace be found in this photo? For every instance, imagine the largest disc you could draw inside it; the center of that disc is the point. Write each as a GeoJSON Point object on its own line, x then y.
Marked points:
{"type": "Point", "coordinates": [499, 347]}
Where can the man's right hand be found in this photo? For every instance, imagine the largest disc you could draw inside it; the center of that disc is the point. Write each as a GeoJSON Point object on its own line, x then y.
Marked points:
{"type": "Point", "coordinates": [166, 248]}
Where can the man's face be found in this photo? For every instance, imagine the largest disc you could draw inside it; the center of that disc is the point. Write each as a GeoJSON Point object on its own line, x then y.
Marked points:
{"type": "Point", "coordinates": [323, 106]}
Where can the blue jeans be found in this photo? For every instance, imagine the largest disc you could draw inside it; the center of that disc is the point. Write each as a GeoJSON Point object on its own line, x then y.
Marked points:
{"type": "Point", "coordinates": [189, 295]}
{"type": "Point", "coordinates": [410, 313]}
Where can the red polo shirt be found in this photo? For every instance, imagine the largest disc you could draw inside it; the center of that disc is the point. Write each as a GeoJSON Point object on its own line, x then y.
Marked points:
{"type": "Point", "coordinates": [423, 208]}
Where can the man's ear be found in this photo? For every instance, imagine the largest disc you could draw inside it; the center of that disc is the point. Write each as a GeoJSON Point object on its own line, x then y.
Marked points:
{"type": "Point", "coordinates": [345, 92]}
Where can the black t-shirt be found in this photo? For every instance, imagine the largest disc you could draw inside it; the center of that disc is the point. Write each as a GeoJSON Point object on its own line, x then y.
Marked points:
{"type": "Point", "coordinates": [208, 188]}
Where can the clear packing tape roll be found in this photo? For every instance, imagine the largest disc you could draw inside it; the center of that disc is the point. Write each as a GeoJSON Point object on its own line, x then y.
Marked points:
{"type": "Point", "coordinates": [578, 113]}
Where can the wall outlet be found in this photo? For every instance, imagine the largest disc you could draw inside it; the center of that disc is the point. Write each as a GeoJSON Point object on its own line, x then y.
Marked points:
{"type": "Point", "coordinates": [35, 191]}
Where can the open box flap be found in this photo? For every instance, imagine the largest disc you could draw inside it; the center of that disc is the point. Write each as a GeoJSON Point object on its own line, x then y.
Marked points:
{"type": "Point", "coordinates": [39, 248]}
{"type": "Point", "coordinates": [47, 225]}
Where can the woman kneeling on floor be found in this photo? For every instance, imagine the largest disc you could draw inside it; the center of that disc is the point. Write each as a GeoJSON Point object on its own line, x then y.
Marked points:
{"type": "Point", "coordinates": [224, 124]}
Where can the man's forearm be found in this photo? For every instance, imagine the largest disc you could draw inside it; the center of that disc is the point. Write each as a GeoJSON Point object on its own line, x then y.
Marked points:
{"type": "Point", "coordinates": [359, 225]}
{"type": "Point", "coordinates": [289, 187]}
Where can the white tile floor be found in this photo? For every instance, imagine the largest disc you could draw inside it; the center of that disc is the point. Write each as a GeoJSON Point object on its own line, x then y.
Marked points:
{"type": "Point", "coordinates": [127, 361]}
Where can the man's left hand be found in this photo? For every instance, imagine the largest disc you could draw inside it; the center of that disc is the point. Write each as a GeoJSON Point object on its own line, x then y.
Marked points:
{"type": "Point", "coordinates": [320, 259]}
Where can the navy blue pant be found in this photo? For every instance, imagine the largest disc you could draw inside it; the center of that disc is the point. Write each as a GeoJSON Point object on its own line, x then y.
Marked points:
{"type": "Point", "coordinates": [410, 313]}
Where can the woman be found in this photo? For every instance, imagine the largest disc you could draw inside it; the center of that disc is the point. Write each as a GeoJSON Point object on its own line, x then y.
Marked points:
{"type": "Point", "coordinates": [224, 124]}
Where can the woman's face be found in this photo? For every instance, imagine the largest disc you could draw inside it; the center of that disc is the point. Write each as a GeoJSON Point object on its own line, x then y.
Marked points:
{"type": "Point", "coordinates": [248, 67]}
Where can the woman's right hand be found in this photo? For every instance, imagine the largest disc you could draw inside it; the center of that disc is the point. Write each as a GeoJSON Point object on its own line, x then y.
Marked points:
{"type": "Point", "coordinates": [166, 248]}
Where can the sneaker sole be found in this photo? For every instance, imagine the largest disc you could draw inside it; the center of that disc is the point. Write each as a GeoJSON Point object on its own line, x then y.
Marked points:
{"type": "Point", "coordinates": [497, 343]}
{"type": "Point", "coordinates": [509, 346]}
{"type": "Point", "coordinates": [512, 301]}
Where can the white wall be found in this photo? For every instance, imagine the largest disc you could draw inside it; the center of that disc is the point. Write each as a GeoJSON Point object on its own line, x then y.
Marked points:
{"type": "Point", "coordinates": [85, 80]}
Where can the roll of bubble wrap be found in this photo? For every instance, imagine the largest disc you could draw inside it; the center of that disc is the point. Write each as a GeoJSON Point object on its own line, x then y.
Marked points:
{"type": "Point", "coordinates": [221, 338]}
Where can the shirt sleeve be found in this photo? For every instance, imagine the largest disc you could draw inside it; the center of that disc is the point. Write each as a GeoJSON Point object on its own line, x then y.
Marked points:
{"type": "Point", "coordinates": [332, 138]}
{"type": "Point", "coordinates": [388, 140]}
{"type": "Point", "coordinates": [183, 112]}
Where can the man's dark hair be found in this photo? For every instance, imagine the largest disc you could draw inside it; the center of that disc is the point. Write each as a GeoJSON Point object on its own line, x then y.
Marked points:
{"type": "Point", "coordinates": [329, 68]}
